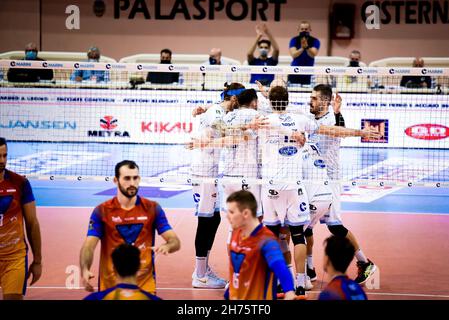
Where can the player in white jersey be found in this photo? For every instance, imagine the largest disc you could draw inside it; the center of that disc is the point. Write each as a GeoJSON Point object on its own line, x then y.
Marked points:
{"type": "Point", "coordinates": [325, 152]}
{"type": "Point", "coordinates": [205, 165]}
{"type": "Point", "coordinates": [240, 161]}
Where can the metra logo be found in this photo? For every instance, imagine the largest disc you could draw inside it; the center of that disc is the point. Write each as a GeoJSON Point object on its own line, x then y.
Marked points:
{"type": "Point", "coordinates": [163, 127]}
{"type": "Point", "coordinates": [196, 197]}
{"type": "Point", "coordinates": [428, 131]}
{"type": "Point", "coordinates": [303, 206]}
{"type": "Point", "coordinates": [319, 164]}
{"type": "Point", "coordinates": [108, 123]}
{"type": "Point", "coordinates": [288, 151]}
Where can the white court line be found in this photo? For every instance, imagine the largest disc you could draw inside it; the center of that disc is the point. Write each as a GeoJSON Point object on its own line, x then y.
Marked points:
{"type": "Point", "coordinates": [196, 289]}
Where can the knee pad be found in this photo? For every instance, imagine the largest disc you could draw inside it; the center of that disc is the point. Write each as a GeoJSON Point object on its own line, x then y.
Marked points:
{"type": "Point", "coordinates": [308, 232]}
{"type": "Point", "coordinates": [297, 234]}
{"type": "Point", "coordinates": [338, 230]}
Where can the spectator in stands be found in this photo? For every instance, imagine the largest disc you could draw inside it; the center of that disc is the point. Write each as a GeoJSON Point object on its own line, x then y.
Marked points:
{"type": "Point", "coordinates": [93, 55]}
{"type": "Point", "coordinates": [215, 57]}
{"type": "Point", "coordinates": [264, 47]}
{"type": "Point", "coordinates": [164, 77]}
{"type": "Point", "coordinates": [417, 81]}
{"type": "Point", "coordinates": [30, 75]}
{"type": "Point", "coordinates": [303, 49]}
{"type": "Point", "coordinates": [338, 254]}
{"type": "Point", "coordinates": [354, 58]}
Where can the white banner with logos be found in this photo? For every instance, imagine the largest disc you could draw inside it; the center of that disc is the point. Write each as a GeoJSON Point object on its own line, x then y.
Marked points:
{"type": "Point", "coordinates": [156, 116]}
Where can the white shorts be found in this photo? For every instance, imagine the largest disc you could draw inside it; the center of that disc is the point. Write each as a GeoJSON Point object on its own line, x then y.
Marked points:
{"type": "Point", "coordinates": [229, 188]}
{"type": "Point", "coordinates": [325, 209]}
{"type": "Point", "coordinates": [205, 196]}
{"type": "Point", "coordinates": [285, 207]}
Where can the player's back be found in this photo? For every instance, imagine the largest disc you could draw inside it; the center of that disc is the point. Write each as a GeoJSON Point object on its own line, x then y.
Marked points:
{"type": "Point", "coordinates": [205, 161]}
{"type": "Point", "coordinates": [281, 155]}
{"type": "Point", "coordinates": [122, 291]}
{"type": "Point", "coordinates": [342, 288]}
{"type": "Point", "coordinates": [240, 159]}
{"type": "Point", "coordinates": [251, 278]}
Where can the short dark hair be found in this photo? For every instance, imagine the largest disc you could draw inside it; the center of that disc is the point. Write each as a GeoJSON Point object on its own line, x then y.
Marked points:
{"type": "Point", "coordinates": [166, 51]}
{"type": "Point", "coordinates": [246, 97]}
{"type": "Point", "coordinates": [129, 163]}
{"type": "Point", "coordinates": [3, 142]}
{"type": "Point", "coordinates": [126, 260]}
{"type": "Point", "coordinates": [264, 41]}
{"type": "Point", "coordinates": [278, 98]}
{"type": "Point", "coordinates": [244, 200]}
{"type": "Point", "coordinates": [340, 252]}
{"type": "Point", "coordinates": [324, 90]}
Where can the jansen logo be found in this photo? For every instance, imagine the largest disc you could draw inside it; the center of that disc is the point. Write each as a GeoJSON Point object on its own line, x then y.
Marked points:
{"type": "Point", "coordinates": [108, 123]}
{"type": "Point", "coordinates": [428, 131]}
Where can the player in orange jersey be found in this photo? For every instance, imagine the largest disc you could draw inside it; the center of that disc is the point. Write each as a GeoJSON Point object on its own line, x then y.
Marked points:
{"type": "Point", "coordinates": [17, 206]}
{"type": "Point", "coordinates": [126, 218]}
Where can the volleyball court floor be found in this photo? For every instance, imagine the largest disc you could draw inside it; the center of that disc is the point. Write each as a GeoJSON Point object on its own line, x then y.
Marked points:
{"type": "Point", "coordinates": [403, 230]}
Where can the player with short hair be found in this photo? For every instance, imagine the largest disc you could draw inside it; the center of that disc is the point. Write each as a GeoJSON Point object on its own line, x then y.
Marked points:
{"type": "Point", "coordinates": [126, 218]}
{"type": "Point", "coordinates": [254, 254]}
{"type": "Point", "coordinates": [323, 156]}
{"type": "Point", "coordinates": [126, 261]}
{"type": "Point", "coordinates": [338, 254]}
{"type": "Point", "coordinates": [17, 207]}
{"type": "Point", "coordinates": [205, 164]}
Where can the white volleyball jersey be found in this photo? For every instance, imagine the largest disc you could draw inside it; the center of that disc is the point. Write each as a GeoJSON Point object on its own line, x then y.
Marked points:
{"type": "Point", "coordinates": [281, 155]}
{"type": "Point", "coordinates": [329, 147]}
{"type": "Point", "coordinates": [205, 161]}
{"type": "Point", "coordinates": [240, 160]}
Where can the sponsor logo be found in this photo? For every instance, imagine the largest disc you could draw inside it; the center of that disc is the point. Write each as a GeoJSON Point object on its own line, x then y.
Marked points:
{"type": "Point", "coordinates": [432, 71]}
{"type": "Point", "coordinates": [108, 123]}
{"type": "Point", "coordinates": [43, 124]}
{"type": "Point", "coordinates": [139, 67]}
{"type": "Point", "coordinates": [166, 127]}
{"type": "Point", "coordinates": [52, 65]}
{"type": "Point", "coordinates": [142, 218]}
{"type": "Point", "coordinates": [327, 70]}
{"type": "Point", "coordinates": [76, 65]}
{"type": "Point", "coordinates": [273, 194]}
{"type": "Point", "coordinates": [20, 64]}
{"type": "Point", "coordinates": [44, 64]}
{"type": "Point", "coordinates": [399, 71]}
{"type": "Point", "coordinates": [233, 69]}
{"type": "Point", "coordinates": [264, 69]}
{"type": "Point", "coordinates": [171, 67]}
{"type": "Point", "coordinates": [12, 63]}
{"type": "Point", "coordinates": [117, 219]}
{"type": "Point", "coordinates": [202, 68]}
{"type": "Point", "coordinates": [319, 164]}
{"type": "Point", "coordinates": [391, 71]}
{"type": "Point", "coordinates": [296, 70]}
{"type": "Point", "coordinates": [427, 131]}
{"type": "Point", "coordinates": [359, 70]}
{"type": "Point", "coordinates": [379, 125]}
{"type": "Point", "coordinates": [303, 206]}
{"type": "Point", "coordinates": [288, 151]}
{"type": "Point", "coordinates": [108, 66]}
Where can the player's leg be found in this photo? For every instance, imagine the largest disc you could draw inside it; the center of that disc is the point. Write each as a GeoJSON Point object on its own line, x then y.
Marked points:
{"type": "Point", "coordinates": [365, 266]}
{"type": "Point", "coordinates": [13, 274]}
{"type": "Point", "coordinates": [205, 195]}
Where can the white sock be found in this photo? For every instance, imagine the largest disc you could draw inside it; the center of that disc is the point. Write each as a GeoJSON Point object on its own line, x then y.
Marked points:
{"type": "Point", "coordinates": [201, 267]}
{"type": "Point", "coordinates": [310, 262]}
{"type": "Point", "coordinates": [207, 260]}
{"type": "Point", "coordinates": [290, 268]}
{"type": "Point", "coordinates": [301, 280]}
{"type": "Point", "coordinates": [360, 256]}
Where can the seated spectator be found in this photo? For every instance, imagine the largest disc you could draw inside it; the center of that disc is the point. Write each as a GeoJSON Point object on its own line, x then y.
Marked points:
{"type": "Point", "coordinates": [303, 49]}
{"type": "Point", "coordinates": [126, 260]}
{"type": "Point", "coordinates": [93, 55]}
{"type": "Point", "coordinates": [30, 75]}
{"type": "Point", "coordinates": [215, 57]}
{"type": "Point", "coordinates": [164, 77]}
{"type": "Point", "coordinates": [354, 62]}
{"type": "Point", "coordinates": [417, 81]}
{"type": "Point", "coordinates": [264, 47]}
{"type": "Point", "coordinates": [338, 254]}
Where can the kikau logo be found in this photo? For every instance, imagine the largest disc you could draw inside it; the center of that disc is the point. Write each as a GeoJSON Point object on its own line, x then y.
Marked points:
{"type": "Point", "coordinates": [108, 123]}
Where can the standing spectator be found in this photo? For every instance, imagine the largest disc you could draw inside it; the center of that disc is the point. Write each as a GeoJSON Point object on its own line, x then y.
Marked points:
{"type": "Point", "coordinates": [303, 49]}
{"type": "Point", "coordinates": [417, 81]}
{"type": "Point", "coordinates": [126, 218]}
{"type": "Point", "coordinates": [264, 47]}
{"type": "Point", "coordinates": [164, 77]}
{"type": "Point", "coordinates": [93, 55]}
{"type": "Point", "coordinates": [30, 75]}
{"type": "Point", "coordinates": [338, 254]}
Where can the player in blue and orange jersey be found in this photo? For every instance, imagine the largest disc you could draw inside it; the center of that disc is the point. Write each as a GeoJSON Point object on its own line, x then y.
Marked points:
{"type": "Point", "coordinates": [256, 259]}
{"type": "Point", "coordinates": [126, 218]}
{"type": "Point", "coordinates": [338, 254]}
{"type": "Point", "coordinates": [17, 206]}
{"type": "Point", "coordinates": [126, 260]}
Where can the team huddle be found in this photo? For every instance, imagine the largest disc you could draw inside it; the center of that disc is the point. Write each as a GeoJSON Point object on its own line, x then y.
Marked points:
{"type": "Point", "coordinates": [256, 154]}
